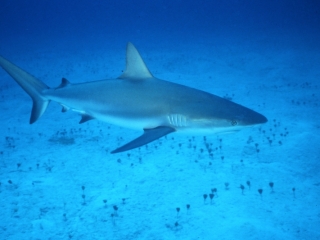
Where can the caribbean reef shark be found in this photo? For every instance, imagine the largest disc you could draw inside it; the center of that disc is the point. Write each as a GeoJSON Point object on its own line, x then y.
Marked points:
{"type": "Point", "coordinates": [138, 100]}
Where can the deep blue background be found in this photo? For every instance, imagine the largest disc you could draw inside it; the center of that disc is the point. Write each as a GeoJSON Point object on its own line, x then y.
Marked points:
{"type": "Point", "coordinates": [147, 19]}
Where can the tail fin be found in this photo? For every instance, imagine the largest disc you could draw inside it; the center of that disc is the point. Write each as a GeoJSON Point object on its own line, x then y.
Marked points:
{"type": "Point", "coordinates": [31, 85]}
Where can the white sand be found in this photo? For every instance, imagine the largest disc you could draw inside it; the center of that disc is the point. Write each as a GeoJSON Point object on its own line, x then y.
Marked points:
{"type": "Point", "coordinates": [274, 75]}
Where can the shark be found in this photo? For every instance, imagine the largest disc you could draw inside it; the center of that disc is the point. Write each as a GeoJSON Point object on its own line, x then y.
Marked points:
{"type": "Point", "coordinates": [138, 100]}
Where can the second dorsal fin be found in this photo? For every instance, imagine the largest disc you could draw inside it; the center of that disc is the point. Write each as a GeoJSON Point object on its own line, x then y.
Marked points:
{"type": "Point", "coordinates": [64, 83]}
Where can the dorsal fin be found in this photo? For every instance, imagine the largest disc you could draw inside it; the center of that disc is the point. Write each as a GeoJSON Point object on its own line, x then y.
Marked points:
{"type": "Point", "coordinates": [64, 82]}
{"type": "Point", "coordinates": [135, 66]}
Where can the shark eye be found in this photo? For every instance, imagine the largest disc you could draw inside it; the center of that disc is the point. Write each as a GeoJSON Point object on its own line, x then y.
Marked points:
{"type": "Point", "coordinates": [234, 122]}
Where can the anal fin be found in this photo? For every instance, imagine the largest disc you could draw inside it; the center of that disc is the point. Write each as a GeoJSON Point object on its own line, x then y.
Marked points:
{"type": "Point", "coordinates": [85, 118]}
{"type": "Point", "coordinates": [64, 108]}
{"type": "Point", "coordinates": [148, 136]}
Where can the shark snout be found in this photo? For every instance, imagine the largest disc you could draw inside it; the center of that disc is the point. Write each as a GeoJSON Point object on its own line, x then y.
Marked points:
{"type": "Point", "coordinates": [261, 119]}
{"type": "Point", "coordinates": [253, 118]}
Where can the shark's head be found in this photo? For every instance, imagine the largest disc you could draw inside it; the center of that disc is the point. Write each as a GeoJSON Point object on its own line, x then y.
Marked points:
{"type": "Point", "coordinates": [243, 118]}
{"type": "Point", "coordinates": [237, 120]}
{"type": "Point", "coordinates": [223, 117]}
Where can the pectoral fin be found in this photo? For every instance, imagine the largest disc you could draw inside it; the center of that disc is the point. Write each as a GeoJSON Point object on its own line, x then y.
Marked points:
{"type": "Point", "coordinates": [148, 136]}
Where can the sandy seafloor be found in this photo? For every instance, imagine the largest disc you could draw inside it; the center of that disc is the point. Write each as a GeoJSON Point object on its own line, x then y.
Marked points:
{"type": "Point", "coordinates": [47, 167]}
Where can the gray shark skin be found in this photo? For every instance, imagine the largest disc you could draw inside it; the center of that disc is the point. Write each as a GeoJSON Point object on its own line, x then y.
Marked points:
{"type": "Point", "coordinates": [137, 100]}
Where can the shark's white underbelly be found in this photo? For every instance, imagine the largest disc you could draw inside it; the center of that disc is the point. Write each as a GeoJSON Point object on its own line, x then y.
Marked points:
{"type": "Point", "coordinates": [126, 121]}
{"type": "Point", "coordinates": [130, 122]}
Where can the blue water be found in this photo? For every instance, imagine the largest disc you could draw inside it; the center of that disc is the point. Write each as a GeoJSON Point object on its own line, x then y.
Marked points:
{"type": "Point", "coordinates": [58, 178]}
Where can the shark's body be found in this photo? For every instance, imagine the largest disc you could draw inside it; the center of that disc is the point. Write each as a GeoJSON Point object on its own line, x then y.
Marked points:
{"type": "Point", "coordinates": [138, 100]}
